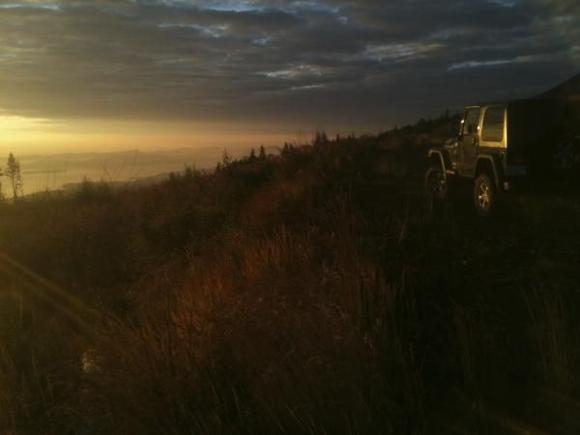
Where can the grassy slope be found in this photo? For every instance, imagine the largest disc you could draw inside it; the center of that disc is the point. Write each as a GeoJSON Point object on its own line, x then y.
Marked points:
{"type": "Point", "coordinates": [313, 293]}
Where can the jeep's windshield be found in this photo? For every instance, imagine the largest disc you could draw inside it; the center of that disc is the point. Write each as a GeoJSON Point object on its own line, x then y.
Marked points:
{"type": "Point", "coordinates": [471, 121]}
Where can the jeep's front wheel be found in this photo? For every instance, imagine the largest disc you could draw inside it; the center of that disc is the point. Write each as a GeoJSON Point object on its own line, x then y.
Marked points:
{"type": "Point", "coordinates": [484, 195]}
{"type": "Point", "coordinates": [435, 183]}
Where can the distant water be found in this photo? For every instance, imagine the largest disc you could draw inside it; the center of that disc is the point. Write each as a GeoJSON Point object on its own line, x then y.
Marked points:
{"type": "Point", "coordinates": [52, 172]}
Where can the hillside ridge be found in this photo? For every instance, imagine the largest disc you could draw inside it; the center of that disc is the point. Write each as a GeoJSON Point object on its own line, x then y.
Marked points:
{"type": "Point", "coordinates": [569, 89]}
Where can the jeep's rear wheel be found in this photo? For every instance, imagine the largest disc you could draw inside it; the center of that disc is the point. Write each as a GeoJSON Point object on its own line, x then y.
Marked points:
{"type": "Point", "coordinates": [435, 183]}
{"type": "Point", "coordinates": [484, 195]}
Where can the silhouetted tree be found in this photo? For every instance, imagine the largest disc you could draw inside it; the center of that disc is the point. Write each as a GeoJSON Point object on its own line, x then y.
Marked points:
{"type": "Point", "coordinates": [285, 150]}
{"type": "Point", "coordinates": [225, 163]}
{"type": "Point", "coordinates": [14, 175]}
{"type": "Point", "coordinates": [253, 154]}
{"type": "Point", "coordinates": [189, 172]}
{"type": "Point", "coordinates": [262, 155]}
{"type": "Point", "coordinates": [226, 159]}
{"type": "Point", "coordinates": [320, 138]}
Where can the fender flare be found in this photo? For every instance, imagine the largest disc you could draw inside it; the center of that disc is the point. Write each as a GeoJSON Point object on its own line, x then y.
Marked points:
{"type": "Point", "coordinates": [443, 157]}
{"type": "Point", "coordinates": [494, 167]}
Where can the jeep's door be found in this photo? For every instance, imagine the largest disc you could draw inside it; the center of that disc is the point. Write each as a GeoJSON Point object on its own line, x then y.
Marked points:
{"type": "Point", "coordinates": [469, 141]}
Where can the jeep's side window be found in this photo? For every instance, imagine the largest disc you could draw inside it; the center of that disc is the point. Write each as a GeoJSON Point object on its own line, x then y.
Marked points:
{"type": "Point", "coordinates": [493, 124]}
{"type": "Point", "coordinates": [471, 121]}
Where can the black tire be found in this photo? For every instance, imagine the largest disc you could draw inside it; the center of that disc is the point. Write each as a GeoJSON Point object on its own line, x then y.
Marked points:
{"type": "Point", "coordinates": [435, 183]}
{"type": "Point", "coordinates": [484, 195]}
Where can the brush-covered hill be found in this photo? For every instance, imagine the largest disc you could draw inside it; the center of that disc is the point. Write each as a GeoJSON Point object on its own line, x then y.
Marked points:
{"type": "Point", "coordinates": [313, 292]}
{"type": "Point", "coordinates": [570, 89]}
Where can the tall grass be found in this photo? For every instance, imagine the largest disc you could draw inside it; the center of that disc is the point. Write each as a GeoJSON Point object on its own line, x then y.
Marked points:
{"type": "Point", "coordinates": [292, 331]}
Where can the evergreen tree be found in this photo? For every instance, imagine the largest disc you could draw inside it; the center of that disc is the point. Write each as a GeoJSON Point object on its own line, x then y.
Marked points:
{"type": "Point", "coordinates": [320, 138]}
{"type": "Point", "coordinates": [189, 172]}
{"type": "Point", "coordinates": [14, 175]}
{"type": "Point", "coordinates": [226, 160]}
{"type": "Point", "coordinates": [262, 155]}
{"type": "Point", "coordinates": [253, 154]}
{"type": "Point", "coordinates": [285, 150]}
{"type": "Point", "coordinates": [1, 192]}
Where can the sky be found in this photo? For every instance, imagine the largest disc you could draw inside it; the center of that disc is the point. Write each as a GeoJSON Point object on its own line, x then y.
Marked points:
{"type": "Point", "coordinates": [159, 74]}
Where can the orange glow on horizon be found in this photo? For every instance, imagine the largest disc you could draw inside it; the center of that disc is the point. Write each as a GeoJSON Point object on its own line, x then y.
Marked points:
{"type": "Point", "coordinates": [23, 135]}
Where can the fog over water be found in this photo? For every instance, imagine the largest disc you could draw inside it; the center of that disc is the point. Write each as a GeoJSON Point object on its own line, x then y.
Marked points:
{"type": "Point", "coordinates": [52, 172]}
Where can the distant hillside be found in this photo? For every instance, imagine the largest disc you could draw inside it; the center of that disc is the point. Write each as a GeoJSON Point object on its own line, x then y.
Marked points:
{"type": "Point", "coordinates": [570, 89]}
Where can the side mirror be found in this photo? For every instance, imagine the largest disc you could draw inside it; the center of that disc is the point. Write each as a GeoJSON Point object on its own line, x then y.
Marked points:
{"type": "Point", "coordinates": [458, 133]}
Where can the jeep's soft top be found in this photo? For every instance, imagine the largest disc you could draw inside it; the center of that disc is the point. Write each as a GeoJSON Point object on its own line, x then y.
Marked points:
{"type": "Point", "coordinates": [536, 127]}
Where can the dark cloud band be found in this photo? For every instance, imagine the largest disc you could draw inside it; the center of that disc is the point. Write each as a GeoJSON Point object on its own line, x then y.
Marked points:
{"type": "Point", "coordinates": [366, 61]}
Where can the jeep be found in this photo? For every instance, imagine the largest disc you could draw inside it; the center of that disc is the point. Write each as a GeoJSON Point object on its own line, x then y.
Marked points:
{"type": "Point", "coordinates": [502, 147]}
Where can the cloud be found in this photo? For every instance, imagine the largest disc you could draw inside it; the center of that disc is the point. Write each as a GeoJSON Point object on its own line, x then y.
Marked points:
{"type": "Point", "coordinates": [365, 62]}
